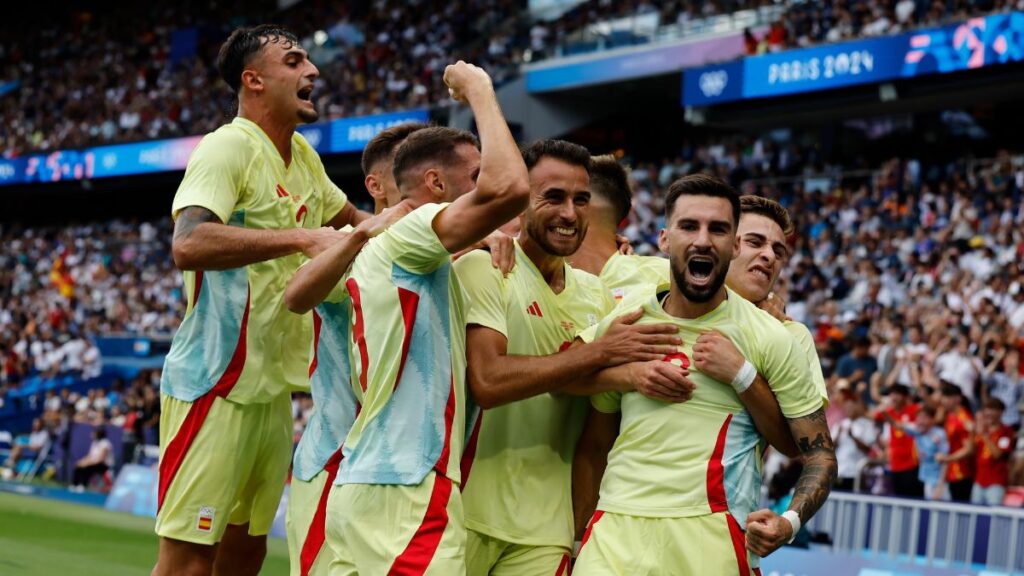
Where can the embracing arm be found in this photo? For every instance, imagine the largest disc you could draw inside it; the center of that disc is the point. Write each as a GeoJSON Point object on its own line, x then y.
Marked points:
{"type": "Point", "coordinates": [764, 408]}
{"type": "Point", "coordinates": [496, 377]}
{"type": "Point", "coordinates": [202, 242]}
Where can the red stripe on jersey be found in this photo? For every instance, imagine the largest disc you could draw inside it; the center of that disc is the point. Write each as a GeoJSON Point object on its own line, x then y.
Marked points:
{"type": "Point", "coordinates": [716, 473]}
{"type": "Point", "coordinates": [281, 192]}
{"type": "Point", "coordinates": [317, 322]}
{"type": "Point", "coordinates": [416, 557]}
{"type": "Point", "coordinates": [449, 416]}
{"type": "Point", "coordinates": [563, 566]}
{"type": "Point", "coordinates": [198, 287]}
{"type": "Point", "coordinates": [408, 300]}
{"type": "Point", "coordinates": [359, 331]}
{"type": "Point", "coordinates": [316, 536]}
{"type": "Point", "coordinates": [469, 453]}
{"type": "Point", "coordinates": [176, 450]}
{"type": "Point", "coordinates": [590, 527]}
{"type": "Point", "coordinates": [739, 545]}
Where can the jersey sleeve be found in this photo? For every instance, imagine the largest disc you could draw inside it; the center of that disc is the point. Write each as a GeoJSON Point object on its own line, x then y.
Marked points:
{"type": "Point", "coordinates": [215, 175]}
{"type": "Point", "coordinates": [485, 289]}
{"type": "Point", "coordinates": [806, 342]}
{"type": "Point", "coordinates": [781, 361]}
{"type": "Point", "coordinates": [412, 242]}
{"type": "Point", "coordinates": [607, 402]}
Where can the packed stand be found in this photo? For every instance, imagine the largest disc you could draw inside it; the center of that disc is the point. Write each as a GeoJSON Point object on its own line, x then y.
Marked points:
{"type": "Point", "coordinates": [86, 80]}
{"type": "Point", "coordinates": [60, 287]}
{"type": "Point", "coordinates": [911, 279]}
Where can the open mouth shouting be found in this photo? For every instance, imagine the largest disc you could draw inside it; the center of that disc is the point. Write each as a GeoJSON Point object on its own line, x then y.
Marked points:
{"type": "Point", "coordinates": [306, 94]}
{"type": "Point", "coordinates": [700, 270]}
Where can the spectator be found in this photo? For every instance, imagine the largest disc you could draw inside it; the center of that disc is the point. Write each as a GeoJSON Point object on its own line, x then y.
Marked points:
{"type": "Point", "coordinates": [29, 446]}
{"type": "Point", "coordinates": [900, 446]}
{"type": "Point", "coordinates": [854, 436]}
{"type": "Point", "coordinates": [98, 461]}
{"type": "Point", "coordinates": [858, 366]}
{"type": "Point", "coordinates": [994, 443]}
{"type": "Point", "coordinates": [932, 447]}
{"type": "Point", "coordinates": [959, 426]}
{"type": "Point", "coordinates": [1003, 381]}
{"type": "Point", "coordinates": [959, 367]}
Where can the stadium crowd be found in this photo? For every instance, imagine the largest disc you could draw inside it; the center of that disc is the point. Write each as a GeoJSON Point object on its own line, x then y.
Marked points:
{"type": "Point", "coordinates": [117, 79]}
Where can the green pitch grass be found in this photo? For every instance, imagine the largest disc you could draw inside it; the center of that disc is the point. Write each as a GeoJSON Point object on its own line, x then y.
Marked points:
{"type": "Point", "coordinates": [50, 538]}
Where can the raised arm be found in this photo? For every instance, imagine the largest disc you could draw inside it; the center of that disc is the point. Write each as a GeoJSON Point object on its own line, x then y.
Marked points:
{"type": "Point", "coordinates": [766, 530]}
{"type": "Point", "coordinates": [503, 186]}
{"type": "Point", "coordinates": [203, 242]}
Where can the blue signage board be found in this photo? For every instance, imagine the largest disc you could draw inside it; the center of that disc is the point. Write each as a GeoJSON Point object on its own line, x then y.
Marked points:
{"type": "Point", "coordinates": [976, 43]}
{"type": "Point", "coordinates": [345, 135]}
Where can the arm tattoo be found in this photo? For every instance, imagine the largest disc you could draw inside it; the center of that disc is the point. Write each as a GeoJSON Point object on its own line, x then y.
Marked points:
{"type": "Point", "coordinates": [819, 458]}
{"type": "Point", "coordinates": [190, 218]}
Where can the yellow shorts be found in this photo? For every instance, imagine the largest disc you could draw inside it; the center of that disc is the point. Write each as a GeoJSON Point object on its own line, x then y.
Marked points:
{"type": "Point", "coordinates": [616, 544]}
{"type": "Point", "coordinates": [305, 522]}
{"type": "Point", "coordinates": [397, 530]}
{"type": "Point", "coordinates": [221, 463]}
{"type": "Point", "coordinates": [486, 555]}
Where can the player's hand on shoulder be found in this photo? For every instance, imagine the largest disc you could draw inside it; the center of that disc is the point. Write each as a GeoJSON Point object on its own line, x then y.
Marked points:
{"type": "Point", "coordinates": [767, 532]}
{"type": "Point", "coordinates": [662, 381]}
{"type": "Point", "coordinates": [464, 79]}
{"type": "Point", "coordinates": [775, 306]}
{"type": "Point", "coordinates": [625, 247]}
{"type": "Point", "coordinates": [625, 341]}
{"type": "Point", "coordinates": [502, 248]}
{"type": "Point", "coordinates": [378, 223]}
{"type": "Point", "coordinates": [716, 356]}
{"type": "Point", "coordinates": [319, 239]}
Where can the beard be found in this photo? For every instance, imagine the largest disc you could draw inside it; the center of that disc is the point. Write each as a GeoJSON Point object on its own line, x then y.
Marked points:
{"type": "Point", "coordinates": [702, 294]}
{"type": "Point", "coordinates": [538, 233]}
{"type": "Point", "coordinates": [308, 116]}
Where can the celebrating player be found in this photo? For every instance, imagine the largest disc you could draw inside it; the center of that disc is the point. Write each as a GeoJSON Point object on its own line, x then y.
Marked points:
{"type": "Point", "coordinates": [682, 479]}
{"type": "Point", "coordinates": [516, 469]}
{"type": "Point", "coordinates": [610, 204]}
{"type": "Point", "coordinates": [252, 203]}
{"type": "Point", "coordinates": [318, 454]}
{"type": "Point", "coordinates": [395, 506]}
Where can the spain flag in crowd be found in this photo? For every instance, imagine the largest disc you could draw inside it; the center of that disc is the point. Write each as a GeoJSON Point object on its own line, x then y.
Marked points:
{"type": "Point", "coordinates": [60, 276]}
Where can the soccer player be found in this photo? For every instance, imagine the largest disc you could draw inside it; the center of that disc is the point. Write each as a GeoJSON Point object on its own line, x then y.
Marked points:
{"type": "Point", "coordinates": [379, 159]}
{"type": "Point", "coordinates": [682, 479]}
{"type": "Point", "coordinates": [396, 506]}
{"type": "Point", "coordinates": [252, 203]}
{"type": "Point", "coordinates": [610, 204]}
{"type": "Point", "coordinates": [763, 228]}
{"type": "Point", "coordinates": [516, 468]}
{"type": "Point", "coordinates": [318, 454]}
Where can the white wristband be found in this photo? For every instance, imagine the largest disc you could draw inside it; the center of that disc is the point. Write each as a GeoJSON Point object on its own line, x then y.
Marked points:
{"type": "Point", "coordinates": [794, 521]}
{"type": "Point", "coordinates": [744, 378]}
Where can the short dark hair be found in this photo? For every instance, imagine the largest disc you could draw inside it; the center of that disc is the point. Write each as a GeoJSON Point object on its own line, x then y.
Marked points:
{"type": "Point", "coordinates": [929, 410]}
{"type": "Point", "coordinates": [750, 204]}
{"type": "Point", "coordinates": [383, 145]}
{"type": "Point", "coordinates": [994, 403]}
{"type": "Point", "coordinates": [244, 43]}
{"type": "Point", "coordinates": [567, 152]}
{"type": "Point", "coordinates": [702, 185]}
{"type": "Point", "coordinates": [435, 144]}
{"type": "Point", "coordinates": [610, 180]}
{"type": "Point", "coordinates": [952, 390]}
{"type": "Point", "coordinates": [899, 389]}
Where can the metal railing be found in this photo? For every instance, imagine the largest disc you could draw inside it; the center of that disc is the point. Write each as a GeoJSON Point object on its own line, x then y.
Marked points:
{"type": "Point", "coordinates": [935, 533]}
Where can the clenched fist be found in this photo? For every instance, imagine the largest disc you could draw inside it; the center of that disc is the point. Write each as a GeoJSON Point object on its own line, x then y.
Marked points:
{"type": "Point", "coordinates": [464, 80]}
